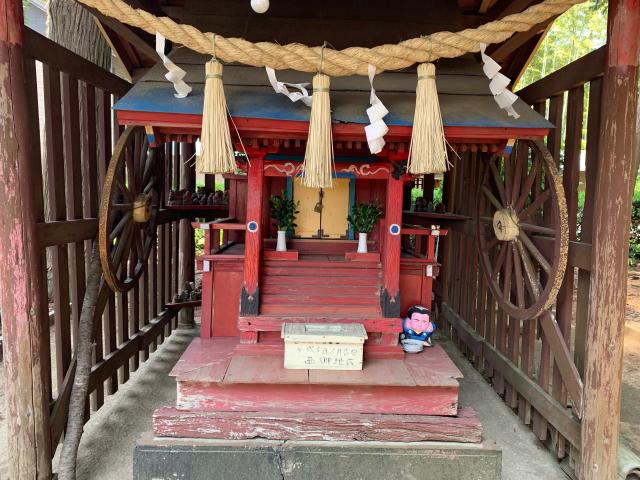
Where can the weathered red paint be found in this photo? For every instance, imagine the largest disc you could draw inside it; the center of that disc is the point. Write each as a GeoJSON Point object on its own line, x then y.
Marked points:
{"type": "Point", "coordinates": [218, 380]}
{"type": "Point", "coordinates": [173, 422]}
{"type": "Point", "coordinates": [391, 249]}
{"type": "Point", "coordinates": [23, 296]}
{"type": "Point", "coordinates": [614, 185]}
{"type": "Point", "coordinates": [11, 23]}
{"type": "Point", "coordinates": [253, 241]}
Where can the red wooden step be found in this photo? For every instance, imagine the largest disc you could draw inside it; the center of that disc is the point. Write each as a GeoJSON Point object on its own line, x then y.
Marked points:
{"type": "Point", "coordinates": [270, 323]}
{"type": "Point", "coordinates": [320, 297]}
{"type": "Point", "coordinates": [319, 309]}
{"type": "Point", "coordinates": [359, 265]}
{"type": "Point", "coordinates": [320, 280]}
{"type": "Point", "coordinates": [293, 288]}
{"type": "Point", "coordinates": [213, 377]}
{"type": "Point", "coordinates": [323, 272]}
{"type": "Point", "coordinates": [172, 422]}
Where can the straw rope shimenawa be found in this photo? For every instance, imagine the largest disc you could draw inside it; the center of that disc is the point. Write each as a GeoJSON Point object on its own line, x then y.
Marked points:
{"type": "Point", "coordinates": [336, 63]}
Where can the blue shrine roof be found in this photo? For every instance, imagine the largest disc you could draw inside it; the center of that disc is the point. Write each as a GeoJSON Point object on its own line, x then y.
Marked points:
{"type": "Point", "coordinates": [463, 91]}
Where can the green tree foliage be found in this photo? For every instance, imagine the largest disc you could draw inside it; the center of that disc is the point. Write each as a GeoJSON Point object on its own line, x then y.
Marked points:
{"type": "Point", "coordinates": [580, 30]}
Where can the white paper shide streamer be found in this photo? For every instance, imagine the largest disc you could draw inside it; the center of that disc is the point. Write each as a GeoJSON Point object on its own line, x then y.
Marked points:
{"type": "Point", "coordinates": [504, 97]}
{"type": "Point", "coordinates": [377, 129]}
{"type": "Point", "coordinates": [174, 74]}
{"type": "Point", "coordinates": [281, 87]}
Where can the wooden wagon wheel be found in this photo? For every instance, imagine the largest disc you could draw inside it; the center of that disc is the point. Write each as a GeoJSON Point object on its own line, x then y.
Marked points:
{"type": "Point", "coordinates": [130, 198]}
{"type": "Point", "coordinates": [522, 229]}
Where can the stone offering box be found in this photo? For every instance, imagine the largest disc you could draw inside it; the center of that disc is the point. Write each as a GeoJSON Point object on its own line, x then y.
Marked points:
{"type": "Point", "coordinates": [318, 346]}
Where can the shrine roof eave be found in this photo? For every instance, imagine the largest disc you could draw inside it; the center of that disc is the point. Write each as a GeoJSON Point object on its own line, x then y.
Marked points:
{"type": "Point", "coordinates": [168, 124]}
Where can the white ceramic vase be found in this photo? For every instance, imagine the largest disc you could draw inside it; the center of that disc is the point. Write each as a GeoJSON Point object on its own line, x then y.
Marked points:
{"type": "Point", "coordinates": [362, 242]}
{"type": "Point", "coordinates": [281, 246]}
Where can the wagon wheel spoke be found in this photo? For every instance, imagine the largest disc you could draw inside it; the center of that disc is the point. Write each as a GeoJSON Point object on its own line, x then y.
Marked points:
{"type": "Point", "coordinates": [499, 262]}
{"type": "Point", "coordinates": [532, 282]}
{"type": "Point", "coordinates": [530, 227]}
{"type": "Point", "coordinates": [123, 189]}
{"type": "Point", "coordinates": [126, 218]}
{"type": "Point", "coordinates": [535, 205]}
{"type": "Point", "coordinates": [494, 201]}
{"type": "Point", "coordinates": [533, 250]}
{"type": "Point", "coordinates": [519, 280]}
{"type": "Point", "coordinates": [508, 269]}
{"type": "Point", "coordinates": [498, 182]}
{"type": "Point", "coordinates": [122, 206]}
{"type": "Point", "coordinates": [528, 184]}
{"type": "Point", "coordinates": [122, 245]}
{"type": "Point", "coordinates": [488, 245]}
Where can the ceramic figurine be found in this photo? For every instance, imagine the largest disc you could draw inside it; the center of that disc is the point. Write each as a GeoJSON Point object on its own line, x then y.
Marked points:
{"type": "Point", "coordinates": [417, 329]}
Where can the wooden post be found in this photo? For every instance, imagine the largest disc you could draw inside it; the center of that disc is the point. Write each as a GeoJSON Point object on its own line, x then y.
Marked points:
{"type": "Point", "coordinates": [187, 246]}
{"type": "Point", "coordinates": [250, 294]}
{"type": "Point", "coordinates": [23, 298]}
{"type": "Point", "coordinates": [390, 295]}
{"type": "Point", "coordinates": [614, 186]}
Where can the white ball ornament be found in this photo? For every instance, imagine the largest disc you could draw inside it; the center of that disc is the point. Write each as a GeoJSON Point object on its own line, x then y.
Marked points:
{"type": "Point", "coordinates": [260, 6]}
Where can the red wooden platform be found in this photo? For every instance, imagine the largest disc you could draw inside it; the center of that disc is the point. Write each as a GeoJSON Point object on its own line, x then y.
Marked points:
{"type": "Point", "coordinates": [212, 376]}
{"type": "Point", "coordinates": [173, 422]}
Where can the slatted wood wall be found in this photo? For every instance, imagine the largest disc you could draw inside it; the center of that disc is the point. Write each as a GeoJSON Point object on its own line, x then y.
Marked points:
{"type": "Point", "coordinates": [72, 116]}
{"type": "Point", "coordinates": [515, 356]}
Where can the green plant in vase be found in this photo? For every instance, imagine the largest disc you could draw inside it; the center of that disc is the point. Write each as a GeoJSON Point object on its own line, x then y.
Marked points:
{"type": "Point", "coordinates": [363, 219]}
{"type": "Point", "coordinates": [283, 211]}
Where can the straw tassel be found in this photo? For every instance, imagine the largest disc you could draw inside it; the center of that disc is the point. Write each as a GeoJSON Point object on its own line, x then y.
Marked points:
{"type": "Point", "coordinates": [428, 151]}
{"type": "Point", "coordinates": [217, 154]}
{"type": "Point", "coordinates": [318, 158]}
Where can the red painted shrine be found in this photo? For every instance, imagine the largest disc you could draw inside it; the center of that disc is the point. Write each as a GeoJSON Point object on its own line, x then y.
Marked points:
{"type": "Point", "coordinates": [234, 372]}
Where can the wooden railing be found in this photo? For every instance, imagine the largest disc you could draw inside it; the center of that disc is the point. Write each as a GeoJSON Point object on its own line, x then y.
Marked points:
{"type": "Point", "coordinates": [516, 355]}
{"type": "Point", "coordinates": [421, 242]}
{"type": "Point", "coordinates": [77, 129]}
{"type": "Point", "coordinates": [220, 235]}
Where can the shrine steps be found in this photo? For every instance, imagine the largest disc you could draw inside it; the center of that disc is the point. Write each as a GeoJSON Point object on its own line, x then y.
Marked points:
{"type": "Point", "coordinates": [312, 287]}
{"type": "Point", "coordinates": [212, 376]}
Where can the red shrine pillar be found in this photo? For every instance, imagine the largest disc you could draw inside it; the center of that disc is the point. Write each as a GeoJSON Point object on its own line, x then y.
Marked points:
{"type": "Point", "coordinates": [250, 294]}
{"type": "Point", "coordinates": [23, 296]}
{"type": "Point", "coordinates": [611, 219]}
{"type": "Point", "coordinates": [390, 295]}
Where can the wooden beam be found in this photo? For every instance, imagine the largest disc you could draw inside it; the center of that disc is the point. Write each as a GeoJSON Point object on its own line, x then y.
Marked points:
{"type": "Point", "coordinates": [41, 48]}
{"type": "Point", "coordinates": [576, 73]}
{"type": "Point", "coordinates": [390, 295]}
{"type": "Point", "coordinates": [502, 8]}
{"type": "Point", "coordinates": [187, 245]}
{"type": "Point", "coordinates": [552, 411]}
{"type": "Point", "coordinates": [614, 186]}
{"type": "Point", "coordinates": [126, 33]}
{"type": "Point", "coordinates": [250, 299]}
{"type": "Point", "coordinates": [501, 52]}
{"type": "Point", "coordinates": [23, 298]}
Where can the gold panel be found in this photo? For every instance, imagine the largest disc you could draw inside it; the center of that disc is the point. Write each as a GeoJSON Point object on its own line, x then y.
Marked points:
{"type": "Point", "coordinates": [326, 209]}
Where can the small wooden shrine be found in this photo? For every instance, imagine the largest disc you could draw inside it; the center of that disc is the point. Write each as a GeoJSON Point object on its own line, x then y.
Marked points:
{"type": "Point", "coordinates": [250, 290]}
{"type": "Point", "coordinates": [530, 291]}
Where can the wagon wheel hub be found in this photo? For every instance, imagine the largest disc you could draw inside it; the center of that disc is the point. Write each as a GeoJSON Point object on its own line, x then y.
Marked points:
{"type": "Point", "coordinates": [142, 208]}
{"type": "Point", "coordinates": [505, 224]}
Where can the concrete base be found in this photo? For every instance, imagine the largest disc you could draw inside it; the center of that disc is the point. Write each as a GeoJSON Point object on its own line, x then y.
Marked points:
{"type": "Point", "coordinates": [159, 458]}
